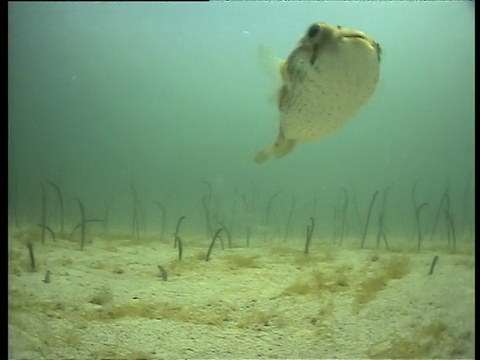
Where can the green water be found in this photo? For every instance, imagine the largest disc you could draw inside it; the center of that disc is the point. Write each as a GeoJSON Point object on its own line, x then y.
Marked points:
{"type": "Point", "coordinates": [171, 98]}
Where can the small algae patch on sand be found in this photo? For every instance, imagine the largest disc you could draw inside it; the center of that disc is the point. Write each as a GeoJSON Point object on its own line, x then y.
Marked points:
{"type": "Point", "coordinates": [97, 265]}
{"type": "Point", "coordinates": [257, 318]}
{"type": "Point", "coordinates": [313, 259]}
{"type": "Point", "coordinates": [216, 313]}
{"type": "Point", "coordinates": [242, 261]}
{"type": "Point", "coordinates": [195, 264]}
{"type": "Point", "coordinates": [297, 257]}
{"type": "Point", "coordinates": [114, 352]}
{"type": "Point", "coordinates": [322, 318]}
{"type": "Point", "coordinates": [381, 272]}
{"type": "Point", "coordinates": [279, 251]}
{"type": "Point", "coordinates": [427, 342]}
{"type": "Point", "coordinates": [101, 296]}
{"type": "Point", "coordinates": [162, 310]}
{"type": "Point", "coordinates": [467, 262]}
{"type": "Point", "coordinates": [320, 282]}
{"type": "Point", "coordinates": [397, 266]}
{"type": "Point", "coordinates": [189, 264]}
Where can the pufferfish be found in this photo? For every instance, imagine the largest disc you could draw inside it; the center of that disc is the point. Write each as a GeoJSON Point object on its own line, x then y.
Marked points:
{"type": "Point", "coordinates": [329, 75]}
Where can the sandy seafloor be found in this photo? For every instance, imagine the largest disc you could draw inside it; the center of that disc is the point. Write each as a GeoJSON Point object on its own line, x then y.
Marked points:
{"type": "Point", "coordinates": [265, 301]}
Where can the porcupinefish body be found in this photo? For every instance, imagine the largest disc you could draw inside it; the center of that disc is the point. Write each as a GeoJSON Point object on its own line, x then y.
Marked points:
{"type": "Point", "coordinates": [327, 77]}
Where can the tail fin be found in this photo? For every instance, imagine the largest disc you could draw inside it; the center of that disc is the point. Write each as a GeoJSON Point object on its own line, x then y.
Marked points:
{"type": "Point", "coordinates": [263, 155]}
{"type": "Point", "coordinates": [280, 148]}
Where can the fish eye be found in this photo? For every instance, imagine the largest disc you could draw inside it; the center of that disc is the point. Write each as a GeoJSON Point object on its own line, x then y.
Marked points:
{"type": "Point", "coordinates": [313, 31]}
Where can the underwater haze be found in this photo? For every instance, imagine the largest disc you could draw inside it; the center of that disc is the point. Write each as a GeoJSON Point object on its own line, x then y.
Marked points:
{"type": "Point", "coordinates": [128, 106]}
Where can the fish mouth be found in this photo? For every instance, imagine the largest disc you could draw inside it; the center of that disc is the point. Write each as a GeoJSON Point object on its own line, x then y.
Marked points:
{"type": "Point", "coordinates": [316, 48]}
{"type": "Point", "coordinates": [358, 36]}
{"type": "Point", "coordinates": [372, 43]}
